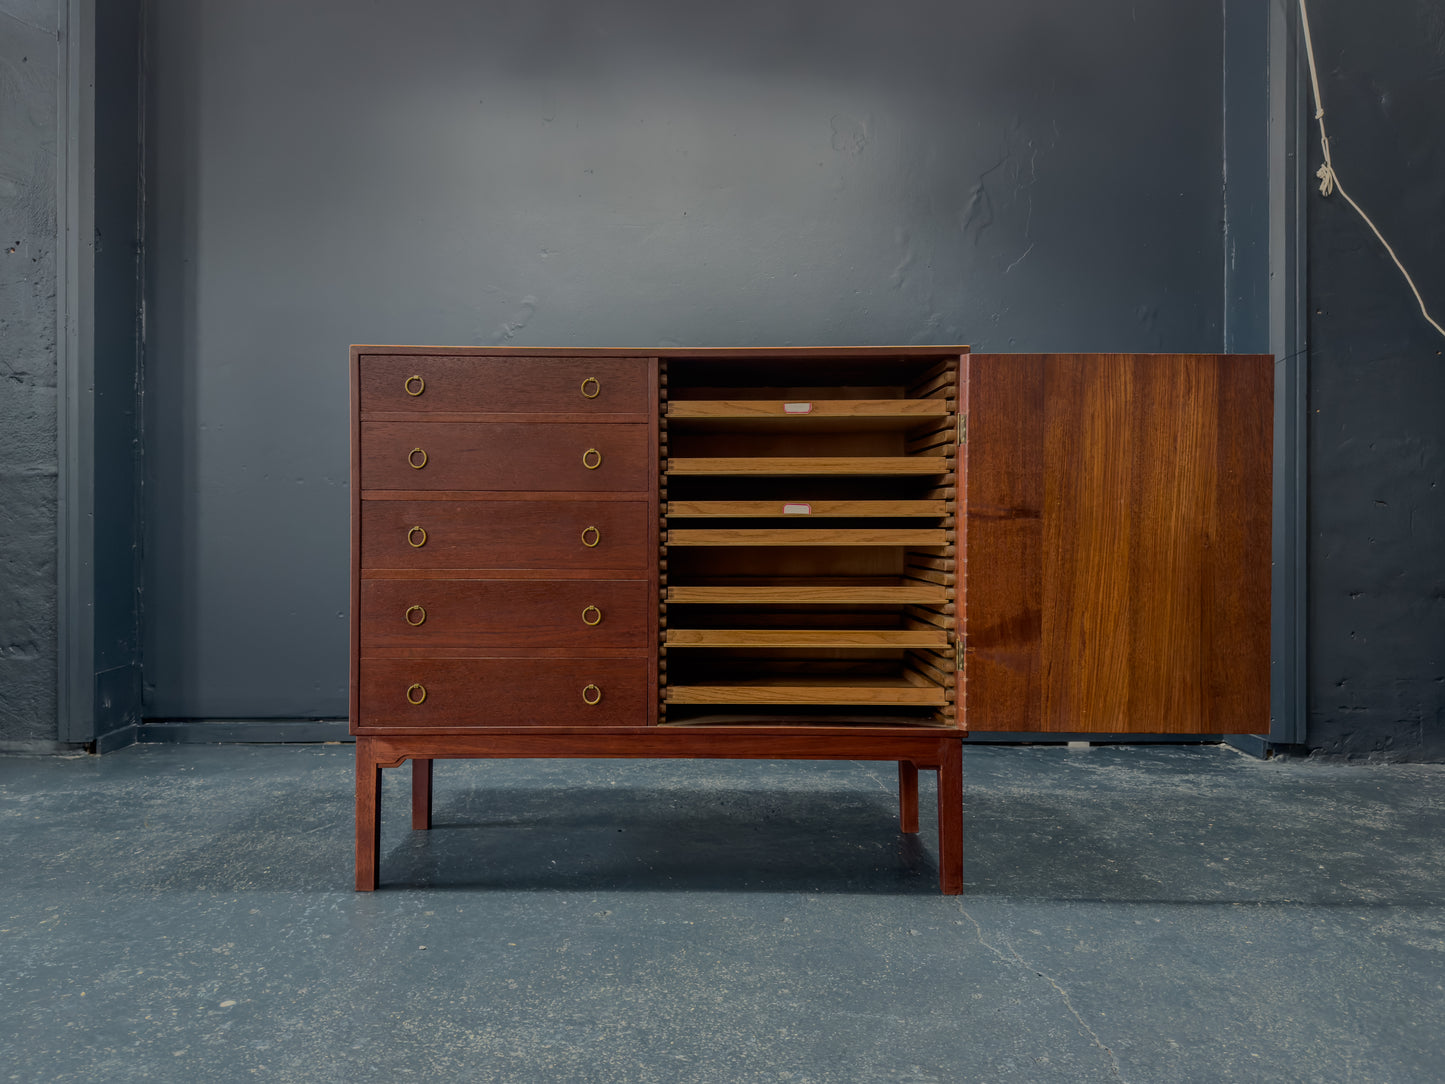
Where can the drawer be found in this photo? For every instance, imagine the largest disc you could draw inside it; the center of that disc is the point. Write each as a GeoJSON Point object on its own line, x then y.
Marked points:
{"type": "Point", "coordinates": [507, 534]}
{"type": "Point", "coordinates": [506, 456]}
{"type": "Point", "coordinates": [503, 692]}
{"type": "Point", "coordinates": [505, 385]}
{"type": "Point", "coordinates": [576, 614]}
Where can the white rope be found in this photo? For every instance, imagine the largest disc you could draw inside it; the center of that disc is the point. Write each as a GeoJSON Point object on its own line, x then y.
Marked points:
{"type": "Point", "coordinates": [1330, 182]}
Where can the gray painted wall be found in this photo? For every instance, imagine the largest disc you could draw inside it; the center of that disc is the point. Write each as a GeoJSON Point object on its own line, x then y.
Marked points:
{"type": "Point", "coordinates": [116, 503]}
{"type": "Point", "coordinates": [28, 452]}
{"type": "Point", "coordinates": [1377, 383]}
{"type": "Point", "coordinates": [1028, 176]}
{"type": "Point", "coordinates": [66, 69]}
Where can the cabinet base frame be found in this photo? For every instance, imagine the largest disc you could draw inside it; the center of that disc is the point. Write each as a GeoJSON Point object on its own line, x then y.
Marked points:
{"type": "Point", "coordinates": [942, 753]}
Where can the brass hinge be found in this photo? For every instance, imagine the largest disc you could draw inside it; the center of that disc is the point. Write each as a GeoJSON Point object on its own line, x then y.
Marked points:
{"type": "Point", "coordinates": [963, 429]}
{"type": "Point", "coordinates": [958, 653]}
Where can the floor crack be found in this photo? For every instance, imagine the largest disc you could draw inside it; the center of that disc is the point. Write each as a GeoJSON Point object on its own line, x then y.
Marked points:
{"type": "Point", "coordinates": [873, 776]}
{"type": "Point", "coordinates": [1012, 957]}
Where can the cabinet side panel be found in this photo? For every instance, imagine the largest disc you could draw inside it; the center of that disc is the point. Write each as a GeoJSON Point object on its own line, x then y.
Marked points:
{"type": "Point", "coordinates": [1004, 542]}
{"type": "Point", "coordinates": [656, 526]}
{"type": "Point", "coordinates": [353, 698]}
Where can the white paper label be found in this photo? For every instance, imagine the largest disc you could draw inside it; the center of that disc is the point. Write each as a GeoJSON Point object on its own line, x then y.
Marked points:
{"type": "Point", "coordinates": [797, 509]}
{"type": "Point", "coordinates": [797, 408]}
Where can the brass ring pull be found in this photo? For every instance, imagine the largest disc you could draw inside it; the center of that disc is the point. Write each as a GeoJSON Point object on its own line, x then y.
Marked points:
{"type": "Point", "coordinates": [596, 388]}
{"type": "Point", "coordinates": [594, 698]}
{"type": "Point", "coordinates": [597, 616]}
{"type": "Point", "coordinates": [419, 611]}
{"type": "Point", "coordinates": [596, 537]}
{"type": "Point", "coordinates": [418, 381]}
{"type": "Point", "coordinates": [412, 690]}
{"type": "Point", "coordinates": [594, 463]}
{"type": "Point", "coordinates": [411, 458]}
{"type": "Point", "coordinates": [416, 537]}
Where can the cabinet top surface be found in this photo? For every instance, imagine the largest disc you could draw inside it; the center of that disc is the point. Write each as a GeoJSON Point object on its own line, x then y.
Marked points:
{"type": "Point", "coordinates": [670, 352]}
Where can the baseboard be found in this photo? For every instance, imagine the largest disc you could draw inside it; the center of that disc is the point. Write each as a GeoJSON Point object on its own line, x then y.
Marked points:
{"type": "Point", "coordinates": [1255, 745]}
{"type": "Point", "coordinates": [41, 749]}
{"type": "Point", "coordinates": [241, 731]}
{"type": "Point", "coordinates": [118, 738]}
{"type": "Point", "coordinates": [1033, 737]}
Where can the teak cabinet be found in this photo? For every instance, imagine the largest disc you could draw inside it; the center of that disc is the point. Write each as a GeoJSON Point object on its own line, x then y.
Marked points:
{"type": "Point", "coordinates": [832, 553]}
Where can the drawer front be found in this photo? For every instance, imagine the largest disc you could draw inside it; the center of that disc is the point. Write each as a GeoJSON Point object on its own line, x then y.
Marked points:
{"type": "Point", "coordinates": [503, 385]}
{"type": "Point", "coordinates": [505, 457]}
{"type": "Point", "coordinates": [506, 534]}
{"type": "Point", "coordinates": [425, 693]}
{"type": "Point", "coordinates": [576, 614]}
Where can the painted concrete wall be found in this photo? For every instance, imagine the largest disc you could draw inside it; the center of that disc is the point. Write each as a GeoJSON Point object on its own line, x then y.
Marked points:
{"type": "Point", "coordinates": [116, 505]}
{"type": "Point", "coordinates": [28, 452]}
{"type": "Point", "coordinates": [1028, 176]}
{"type": "Point", "coordinates": [1377, 387]}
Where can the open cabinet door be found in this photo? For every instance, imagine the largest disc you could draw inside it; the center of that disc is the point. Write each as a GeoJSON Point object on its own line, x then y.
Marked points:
{"type": "Point", "coordinates": [1118, 543]}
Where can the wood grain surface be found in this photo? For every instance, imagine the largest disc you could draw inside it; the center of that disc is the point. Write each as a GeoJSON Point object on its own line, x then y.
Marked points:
{"type": "Point", "coordinates": [503, 692]}
{"type": "Point", "coordinates": [807, 536]}
{"type": "Point", "coordinates": [507, 534]}
{"type": "Point", "coordinates": [505, 456]}
{"type": "Point", "coordinates": [793, 690]}
{"type": "Point", "coordinates": [839, 638]}
{"type": "Point", "coordinates": [821, 509]}
{"type": "Point", "coordinates": [918, 409]}
{"type": "Point", "coordinates": [497, 385]}
{"type": "Point", "coordinates": [1118, 537]}
{"type": "Point", "coordinates": [799, 593]}
{"type": "Point", "coordinates": [490, 613]}
{"type": "Point", "coordinates": [801, 466]}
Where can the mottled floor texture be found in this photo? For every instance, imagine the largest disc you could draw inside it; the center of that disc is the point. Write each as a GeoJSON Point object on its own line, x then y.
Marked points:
{"type": "Point", "coordinates": [1143, 914]}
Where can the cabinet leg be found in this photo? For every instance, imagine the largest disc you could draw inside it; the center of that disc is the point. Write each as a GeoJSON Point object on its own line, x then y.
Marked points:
{"type": "Point", "coordinates": [950, 818]}
{"type": "Point", "coordinates": [908, 795]}
{"type": "Point", "coordinates": [421, 794]}
{"type": "Point", "coordinates": [368, 817]}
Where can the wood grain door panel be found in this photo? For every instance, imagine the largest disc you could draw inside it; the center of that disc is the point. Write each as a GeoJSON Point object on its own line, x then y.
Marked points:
{"type": "Point", "coordinates": [1118, 543]}
{"type": "Point", "coordinates": [581, 534]}
{"type": "Point", "coordinates": [481, 614]}
{"type": "Point", "coordinates": [505, 457]}
{"type": "Point", "coordinates": [504, 385]}
{"type": "Point", "coordinates": [503, 692]}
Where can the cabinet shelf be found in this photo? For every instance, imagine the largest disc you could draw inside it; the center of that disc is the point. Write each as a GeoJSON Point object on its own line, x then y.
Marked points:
{"type": "Point", "coordinates": [802, 466]}
{"type": "Point", "coordinates": [797, 594]}
{"type": "Point", "coordinates": [812, 415]}
{"type": "Point", "coordinates": [806, 509]}
{"type": "Point", "coordinates": [809, 690]}
{"type": "Point", "coordinates": [804, 536]}
{"type": "Point", "coordinates": [820, 638]}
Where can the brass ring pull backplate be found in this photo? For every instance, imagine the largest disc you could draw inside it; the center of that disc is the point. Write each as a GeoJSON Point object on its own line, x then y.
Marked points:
{"type": "Point", "coordinates": [592, 459]}
{"type": "Point", "coordinates": [591, 694]}
{"type": "Point", "coordinates": [596, 388]}
{"type": "Point", "coordinates": [418, 381]}
{"type": "Point", "coordinates": [416, 537]}
{"type": "Point", "coordinates": [596, 537]}
{"type": "Point", "coordinates": [415, 694]}
{"type": "Point", "coordinates": [596, 616]}
{"type": "Point", "coordinates": [420, 618]}
{"type": "Point", "coordinates": [411, 458]}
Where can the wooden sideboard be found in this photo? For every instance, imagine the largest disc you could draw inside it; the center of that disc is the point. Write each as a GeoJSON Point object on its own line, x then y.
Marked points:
{"type": "Point", "coordinates": [823, 553]}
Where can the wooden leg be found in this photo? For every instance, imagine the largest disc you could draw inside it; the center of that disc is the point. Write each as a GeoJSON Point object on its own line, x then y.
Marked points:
{"type": "Point", "coordinates": [908, 795]}
{"type": "Point", "coordinates": [421, 794]}
{"type": "Point", "coordinates": [368, 817]}
{"type": "Point", "coordinates": [950, 818]}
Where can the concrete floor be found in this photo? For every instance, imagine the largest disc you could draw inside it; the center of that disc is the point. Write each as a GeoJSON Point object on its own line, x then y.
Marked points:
{"type": "Point", "coordinates": [1142, 914]}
